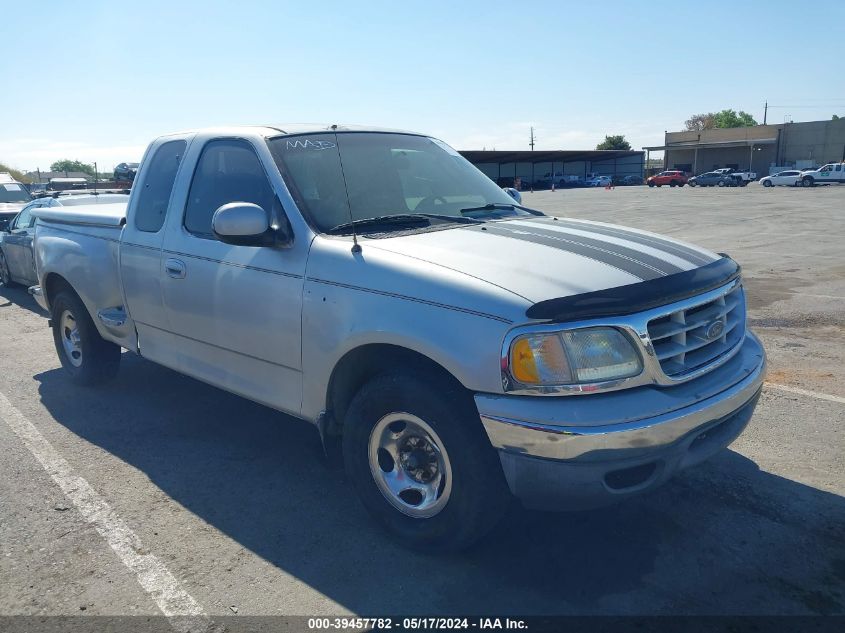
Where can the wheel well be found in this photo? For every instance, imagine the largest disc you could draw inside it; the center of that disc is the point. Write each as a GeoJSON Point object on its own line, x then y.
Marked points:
{"type": "Point", "coordinates": [363, 363]}
{"type": "Point", "coordinates": [53, 284]}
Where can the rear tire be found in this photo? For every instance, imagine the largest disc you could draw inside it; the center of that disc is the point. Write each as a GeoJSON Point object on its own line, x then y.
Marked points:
{"type": "Point", "coordinates": [87, 357]}
{"type": "Point", "coordinates": [426, 429]}
{"type": "Point", "coordinates": [5, 273]}
{"type": "Point", "coordinates": [807, 182]}
{"type": "Point", "coordinates": [674, 183]}
{"type": "Point", "coordinates": [721, 183]}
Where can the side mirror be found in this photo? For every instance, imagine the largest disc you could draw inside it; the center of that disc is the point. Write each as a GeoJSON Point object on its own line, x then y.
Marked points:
{"type": "Point", "coordinates": [243, 224]}
{"type": "Point", "coordinates": [514, 193]}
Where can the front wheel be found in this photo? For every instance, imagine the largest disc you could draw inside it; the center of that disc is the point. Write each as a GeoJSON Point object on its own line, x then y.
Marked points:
{"type": "Point", "coordinates": [421, 463]}
{"type": "Point", "coordinates": [651, 184]}
{"type": "Point", "coordinates": [87, 357]}
{"type": "Point", "coordinates": [767, 183]}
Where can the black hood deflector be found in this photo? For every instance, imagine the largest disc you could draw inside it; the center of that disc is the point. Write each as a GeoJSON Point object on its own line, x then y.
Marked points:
{"type": "Point", "coordinates": [624, 300]}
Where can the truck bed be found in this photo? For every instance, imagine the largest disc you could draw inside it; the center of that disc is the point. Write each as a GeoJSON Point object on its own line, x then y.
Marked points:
{"type": "Point", "coordinates": [84, 243]}
{"type": "Point", "coordinates": [109, 215]}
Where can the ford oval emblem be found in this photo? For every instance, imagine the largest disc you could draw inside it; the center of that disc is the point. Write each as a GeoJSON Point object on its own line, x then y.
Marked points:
{"type": "Point", "coordinates": [714, 330]}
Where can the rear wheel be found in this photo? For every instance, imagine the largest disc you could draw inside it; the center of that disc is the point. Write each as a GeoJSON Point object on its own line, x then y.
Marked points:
{"type": "Point", "coordinates": [5, 274]}
{"type": "Point", "coordinates": [807, 182]}
{"type": "Point", "coordinates": [87, 357]}
{"type": "Point", "coordinates": [722, 183]}
{"type": "Point", "coordinates": [673, 183]}
{"type": "Point", "coordinates": [421, 462]}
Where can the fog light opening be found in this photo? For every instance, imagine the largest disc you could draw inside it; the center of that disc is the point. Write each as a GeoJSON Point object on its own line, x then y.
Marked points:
{"type": "Point", "coordinates": [630, 477]}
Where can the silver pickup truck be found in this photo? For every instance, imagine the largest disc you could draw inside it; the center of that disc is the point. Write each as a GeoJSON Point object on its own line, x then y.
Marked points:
{"type": "Point", "coordinates": [452, 347]}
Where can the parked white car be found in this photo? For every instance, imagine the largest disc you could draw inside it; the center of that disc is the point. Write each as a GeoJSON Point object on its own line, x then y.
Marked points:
{"type": "Point", "coordinates": [600, 181]}
{"type": "Point", "coordinates": [791, 177]}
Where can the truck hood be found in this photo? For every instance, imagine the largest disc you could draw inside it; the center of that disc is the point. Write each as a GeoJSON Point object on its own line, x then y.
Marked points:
{"type": "Point", "coordinates": [546, 258]}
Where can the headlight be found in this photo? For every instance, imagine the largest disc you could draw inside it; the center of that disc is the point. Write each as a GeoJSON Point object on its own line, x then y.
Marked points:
{"type": "Point", "coordinates": [578, 356]}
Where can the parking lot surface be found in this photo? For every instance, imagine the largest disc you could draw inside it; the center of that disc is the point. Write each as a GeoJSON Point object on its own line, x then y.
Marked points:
{"type": "Point", "coordinates": [234, 503]}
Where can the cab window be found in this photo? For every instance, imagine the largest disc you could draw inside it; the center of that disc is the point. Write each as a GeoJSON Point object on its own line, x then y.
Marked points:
{"type": "Point", "coordinates": [25, 219]}
{"type": "Point", "coordinates": [228, 171]}
{"type": "Point", "coordinates": [154, 196]}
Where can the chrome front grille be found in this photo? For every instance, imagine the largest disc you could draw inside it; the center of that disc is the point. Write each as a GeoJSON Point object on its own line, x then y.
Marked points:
{"type": "Point", "coordinates": [696, 336]}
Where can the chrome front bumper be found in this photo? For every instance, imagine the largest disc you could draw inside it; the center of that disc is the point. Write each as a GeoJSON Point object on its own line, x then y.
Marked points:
{"type": "Point", "coordinates": [572, 449]}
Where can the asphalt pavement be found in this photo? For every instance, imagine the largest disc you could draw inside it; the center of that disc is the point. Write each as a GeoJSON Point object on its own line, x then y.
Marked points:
{"type": "Point", "coordinates": [159, 492]}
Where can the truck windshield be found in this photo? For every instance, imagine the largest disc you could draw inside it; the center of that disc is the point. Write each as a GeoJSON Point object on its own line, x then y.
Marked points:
{"type": "Point", "coordinates": [338, 177]}
{"type": "Point", "coordinates": [13, 192]}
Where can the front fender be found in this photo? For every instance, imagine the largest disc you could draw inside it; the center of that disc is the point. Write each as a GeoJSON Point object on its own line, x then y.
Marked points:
{"type": "Point", "coordinates": [338, 319]}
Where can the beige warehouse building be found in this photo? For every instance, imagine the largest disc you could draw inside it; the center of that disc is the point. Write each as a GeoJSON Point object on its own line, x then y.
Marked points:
{"type": "Point", "coordinates": [764, 149]}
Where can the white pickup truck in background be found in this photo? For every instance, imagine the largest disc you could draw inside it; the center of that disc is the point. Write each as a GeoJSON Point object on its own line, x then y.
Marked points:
{"type": "Point", "coordinates": [742, 178]}
{"type": "Point", "coordinates": [455, 347]}
{"type": "Point", "coordinates": [826, 175]}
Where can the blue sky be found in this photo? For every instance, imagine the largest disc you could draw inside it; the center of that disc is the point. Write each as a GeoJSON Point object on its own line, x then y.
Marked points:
{"type": "Point", "coordinates": [98, 80]}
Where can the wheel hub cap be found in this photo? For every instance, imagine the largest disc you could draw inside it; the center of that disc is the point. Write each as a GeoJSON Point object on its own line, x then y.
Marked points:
{"type": "Point", "coordinates": [410, 465]}
{"type": "Point", "coordinates": [71, 340]}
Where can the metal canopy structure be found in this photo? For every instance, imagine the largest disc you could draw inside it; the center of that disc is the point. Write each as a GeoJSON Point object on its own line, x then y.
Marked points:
{"type": "Point", "coordinates": [557, 156]}
{"type": "Point", "coordinates": [713, 144]}
{"type": "Point", "coordinates": [694, 146]}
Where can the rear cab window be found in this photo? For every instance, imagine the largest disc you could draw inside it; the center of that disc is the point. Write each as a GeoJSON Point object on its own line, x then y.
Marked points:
{"type": "Point", "coordinates": [154, 196]}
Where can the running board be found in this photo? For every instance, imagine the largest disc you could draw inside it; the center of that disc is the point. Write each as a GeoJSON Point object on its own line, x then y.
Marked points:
{"type": "Point", "coordinates": [112, 317]}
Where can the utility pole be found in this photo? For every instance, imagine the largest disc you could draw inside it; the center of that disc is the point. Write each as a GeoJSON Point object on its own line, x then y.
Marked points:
{"type": "Point", "coordinates": [532, 138]}
{"type": "Point", "coordinates": [765, 112]}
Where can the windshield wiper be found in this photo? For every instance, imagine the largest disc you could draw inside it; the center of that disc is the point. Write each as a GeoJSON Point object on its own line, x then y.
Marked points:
{"type": "Point", "coordinates": [401, 220]}
{"type": "Point", "coordinates": [492, 206]}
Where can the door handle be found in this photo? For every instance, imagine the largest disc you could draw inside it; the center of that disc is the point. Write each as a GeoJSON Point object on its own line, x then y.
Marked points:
{"type": "Point", "coordinates": [174, 268]}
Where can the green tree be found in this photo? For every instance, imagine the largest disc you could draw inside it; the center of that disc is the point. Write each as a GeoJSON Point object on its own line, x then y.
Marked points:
{"type": "Point", "coordinates": [835, 117]}
{"type": "Point", "coordinates": [14, 173]}
{"type": "Point", "coordinates": [72, 165]}
{"type": "Point", "coordinates": [614, 142]}
{"type": "Point", "coordinates": [701, 122]}
{"type": "Point", "coordinates": [723, 119]}
{"type": "Point", "coordinates": [732, 118]}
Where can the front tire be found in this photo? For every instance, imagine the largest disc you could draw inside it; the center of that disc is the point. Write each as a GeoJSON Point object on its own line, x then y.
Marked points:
{"type": "Point", "coordinates": [421, 463]}
{"type": "Point", "coordinates": [651, 184]}
{"type": "Point", "coordinates": [767, 183]}
{"type": "Point", "coordinates": [87, 357]}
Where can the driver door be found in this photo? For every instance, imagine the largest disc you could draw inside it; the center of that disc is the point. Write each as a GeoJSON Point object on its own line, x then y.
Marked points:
{"type": "Point", "coordinates": [233, 311]}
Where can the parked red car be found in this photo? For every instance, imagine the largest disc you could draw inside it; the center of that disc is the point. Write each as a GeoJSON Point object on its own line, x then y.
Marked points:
{"type": "Point", "coordinates": [673, 178]}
